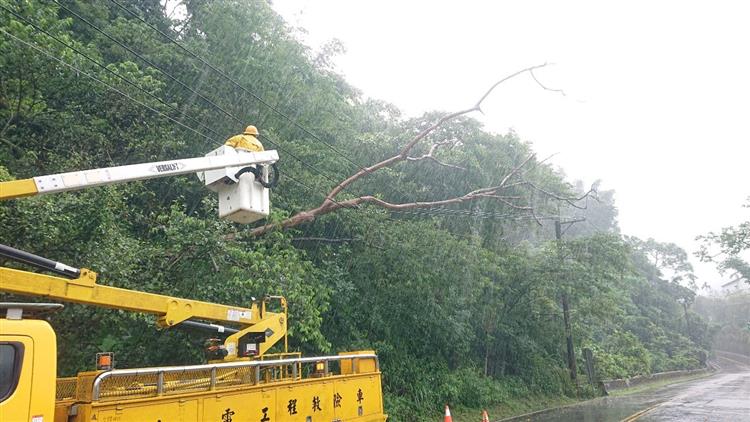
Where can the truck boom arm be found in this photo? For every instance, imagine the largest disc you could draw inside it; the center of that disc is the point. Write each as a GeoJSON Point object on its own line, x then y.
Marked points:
{"type": "Point", "coordinates": [110, 175]}
{"type": "Point", "coordinates": [222, 170]}
{"type": "Point", "coordinates": [81, 287]}
{"type": "Point", "coordinates": [84, 289]}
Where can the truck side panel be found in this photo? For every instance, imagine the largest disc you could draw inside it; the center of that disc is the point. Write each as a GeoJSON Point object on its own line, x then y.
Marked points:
{"type": "Point", "coordinates": [344, 398]}
{"type": "Point", "coordinates": [175, 410]}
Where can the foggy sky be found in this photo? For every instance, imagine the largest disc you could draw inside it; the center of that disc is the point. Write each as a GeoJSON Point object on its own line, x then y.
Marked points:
{"type": "Point", "coordinates": [657, 93]}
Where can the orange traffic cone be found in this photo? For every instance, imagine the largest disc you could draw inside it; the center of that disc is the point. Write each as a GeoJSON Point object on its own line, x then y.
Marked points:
{"type": "Point", "coordinates": [448, 417]}
{"type": "Point", "coordinates": [485, 417]}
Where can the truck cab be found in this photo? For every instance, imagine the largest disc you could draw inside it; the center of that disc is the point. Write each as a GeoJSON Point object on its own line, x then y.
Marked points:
{"type": "Point", "coordinates": [28, 363]}
{"type": "Point", "coordinates": [343, 387]}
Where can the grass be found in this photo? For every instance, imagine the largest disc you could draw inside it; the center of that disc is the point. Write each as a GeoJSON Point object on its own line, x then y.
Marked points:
{"type": "Point", "coordinates": [650, 386]}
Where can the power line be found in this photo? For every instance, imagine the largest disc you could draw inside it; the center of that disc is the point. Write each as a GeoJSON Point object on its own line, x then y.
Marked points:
{"type": "Point", "coordinates": [129, 82]}
{"type": "Point", "coordinates": [240, 86]}
{"type": "Point", "coordinates": [51, 56]}
{"type": "Point", "coordinates": [476, 214]}
{"type": "Point", "coordinates": [237, 84]}
{"type": "Point", "coordinates": [274, 143]}
{"type": "Point", "coordinates": [105, 68]}
{"type": "Point", "coordinates": [440, 212]}
{"type": "Point", "coordinates": [244, 89]}
{"type": "Point", "coordinates": [76, 69]}
{"type": "Point", "coordinates": [80, 71]}
{"type": "Point", "coordinates": [149, 62]}
{"type": "Point", "coordinates": [43, 51]}
{"type": "Point", "coordinates": [293, 179]}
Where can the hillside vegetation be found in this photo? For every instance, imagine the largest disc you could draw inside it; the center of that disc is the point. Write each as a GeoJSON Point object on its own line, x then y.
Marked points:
{"type": "Point", "coordinates": [461, 302]}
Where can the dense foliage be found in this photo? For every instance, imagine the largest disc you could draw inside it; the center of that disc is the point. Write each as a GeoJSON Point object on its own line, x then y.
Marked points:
{"type": "Point", "coordinates": [462, 304]}
{"type": "Point", "coordinates": [729, 249]}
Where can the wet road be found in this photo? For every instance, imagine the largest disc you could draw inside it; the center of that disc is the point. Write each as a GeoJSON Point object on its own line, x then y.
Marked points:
{"type": "Point", "coordinates": [724, 396]}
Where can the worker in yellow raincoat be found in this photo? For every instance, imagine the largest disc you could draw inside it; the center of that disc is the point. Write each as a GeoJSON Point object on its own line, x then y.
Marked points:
{"type": "Point", "coordinates": [247, 141]}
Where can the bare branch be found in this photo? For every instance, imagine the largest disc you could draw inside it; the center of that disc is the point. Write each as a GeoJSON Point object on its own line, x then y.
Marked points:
{"type": "Point", "coordinates": [518, 207]}
{"type": "Point", "coordinates": [436, 161]}
{"type": "Point", "coordinates": [568, 200]}
{"type": "Point", "coordinates": [508, 198]}
{"type": "Point", "coordinates": [507, 177]}
{"type": "Point", "coordinates": [543, 86]}
{"type": "Point", "coordinates": [530, 69]}
{"type": "Point", "coordinates": [533, 214]}
{"type": "Point", "coordinates": [539, 163]}
{"type": "Point", "coordinates": [430, 155]}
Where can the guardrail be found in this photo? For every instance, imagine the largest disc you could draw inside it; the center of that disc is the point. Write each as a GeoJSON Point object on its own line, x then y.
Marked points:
{"type": "Point", "coordinates": [160, 380]}
{"type": "Point", "coordinates": [744, 359]}
{"type": "Point", "coordinates": [618, 384]}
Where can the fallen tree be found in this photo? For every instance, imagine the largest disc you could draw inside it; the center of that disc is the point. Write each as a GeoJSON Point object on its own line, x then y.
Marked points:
{"type": "Point", "coordinates": [500, 191]}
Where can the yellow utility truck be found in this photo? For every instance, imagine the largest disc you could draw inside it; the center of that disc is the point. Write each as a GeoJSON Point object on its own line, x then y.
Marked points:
{"type": "Point", "coordinates": [241, 382]}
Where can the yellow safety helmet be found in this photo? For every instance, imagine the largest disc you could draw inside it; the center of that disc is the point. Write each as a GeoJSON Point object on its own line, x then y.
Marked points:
{"type": "Point", "coordinates": [251, 130]}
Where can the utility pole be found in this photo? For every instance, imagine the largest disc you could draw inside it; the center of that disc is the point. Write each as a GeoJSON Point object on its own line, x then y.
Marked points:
{"type": "Point", "coordinates": [564, 299]}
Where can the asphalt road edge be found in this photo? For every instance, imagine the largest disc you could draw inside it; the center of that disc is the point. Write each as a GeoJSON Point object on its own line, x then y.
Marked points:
{"type": "Point", "coordinates": [547, 410]}
{"type": "Point", "coordinates": [707, 372]}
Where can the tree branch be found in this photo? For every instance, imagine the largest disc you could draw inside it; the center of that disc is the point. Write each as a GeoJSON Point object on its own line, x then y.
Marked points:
{"type": "Point", "coordinates": [568, 200]}
{"type": "Point", "coordinates": [478, 105]}
{"type": "Point", "coordinates": [310, 215]}
{"type": "Point", "coordinates": [430, 155]}
{"type": "Point", "coordinates": [436, 161]}
{"type": "Point", "coordinates": [331, 203]}
{"type": "Point", "coordinates": [531, 72]}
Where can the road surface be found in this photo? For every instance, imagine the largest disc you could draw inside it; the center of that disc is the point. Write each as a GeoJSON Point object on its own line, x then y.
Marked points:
{"type": "Point", "coordinates": [724, 396]}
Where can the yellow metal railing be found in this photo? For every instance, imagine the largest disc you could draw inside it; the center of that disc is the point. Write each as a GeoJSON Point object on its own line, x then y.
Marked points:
{"type": "Point", "coordinates": [150, 382]}
{"type": "Point", "coordinates": [66, 388]}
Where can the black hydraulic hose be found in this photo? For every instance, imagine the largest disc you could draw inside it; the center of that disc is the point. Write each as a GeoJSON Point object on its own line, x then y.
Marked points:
{"type": "Point", "coordinates": [259, 176]}
{"type": "Point", "coordinates": [39, 262]}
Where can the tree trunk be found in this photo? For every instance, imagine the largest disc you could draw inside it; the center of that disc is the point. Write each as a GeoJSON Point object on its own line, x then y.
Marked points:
{"type": "Point", "coordinates": [569, 338]}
